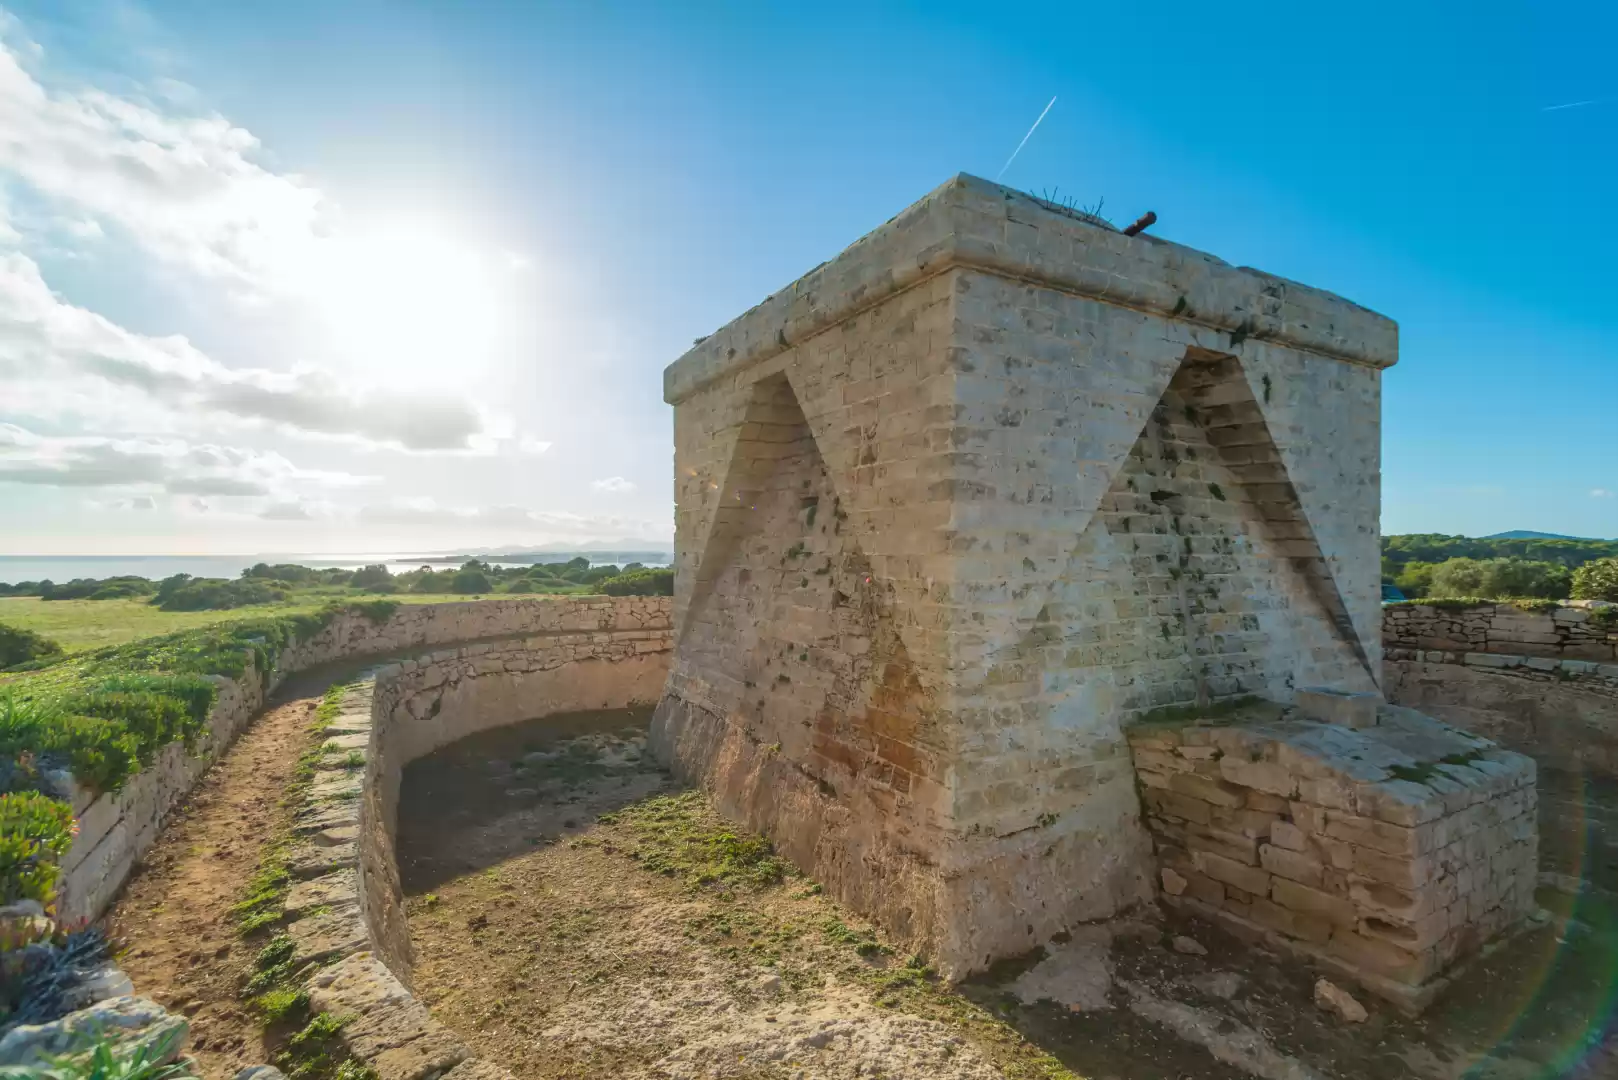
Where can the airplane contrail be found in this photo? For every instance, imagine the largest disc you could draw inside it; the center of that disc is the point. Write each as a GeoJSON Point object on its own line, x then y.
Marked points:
{"type": "Point", "coordinates": [1024, 142]}
{"type": "Point", "coordinates": [1572, 105]}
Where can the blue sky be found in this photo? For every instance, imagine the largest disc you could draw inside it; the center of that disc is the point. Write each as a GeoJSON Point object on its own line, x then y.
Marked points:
{"type": "Point", "coordinates": [428, 300]}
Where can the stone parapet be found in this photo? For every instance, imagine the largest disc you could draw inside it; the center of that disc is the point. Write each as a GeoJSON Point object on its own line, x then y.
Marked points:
{"type": "Point", "coordinates": [1563, 712]}
{"type": "Point", "coordinates": [1388, 854]}
{"type": "Point", "coordinates": [1579, 630]}
{"type": "Point", "coordinates": [116, 828]}
{"type": "Point", "coordinates": [346, 907]}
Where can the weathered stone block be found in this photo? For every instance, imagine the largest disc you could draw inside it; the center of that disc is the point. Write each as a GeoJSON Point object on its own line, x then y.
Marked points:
{"type": "Point", "coordinates": [1349, 708]}
{"type": "Point", "coordinates": [1230, 872]}
{"type": "Point", "coordinates": [1339, 910]}
{"type": "Point", "coordinates": [1292, 865]}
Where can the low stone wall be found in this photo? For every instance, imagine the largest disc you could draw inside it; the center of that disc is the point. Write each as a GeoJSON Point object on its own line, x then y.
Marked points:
{"type": "Point", "coordinates": [347, 907]}
{"type": "Point", "coordinates": [1386, 854]}
{"type": "Point", "coordinates": [1562, 712]}
{"type": "Point", "coordinates": [116, 829]}
{"type": "Point", "coordinates": [427, 703]}
{"type": "Point", "coordinates": [1581, 630]}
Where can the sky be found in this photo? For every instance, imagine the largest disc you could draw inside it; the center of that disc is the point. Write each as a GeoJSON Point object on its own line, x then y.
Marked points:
{"type": "Point", "coordinates": [389, 276]}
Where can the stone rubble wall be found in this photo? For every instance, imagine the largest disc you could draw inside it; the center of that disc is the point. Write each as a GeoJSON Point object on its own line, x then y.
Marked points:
{"type": "Point", "coordinates": [115, 829]}
{"type": "Point", "coordinates": [1544, 682]}
{"type": "Point", "coordinates": [1387, 854]}
{"type": "Point", "coordinates": [1578, 631]}
{"type": "Point", "coordinates": [346, 907]}
{"type": "Point", "coordinates": [1562, 712]}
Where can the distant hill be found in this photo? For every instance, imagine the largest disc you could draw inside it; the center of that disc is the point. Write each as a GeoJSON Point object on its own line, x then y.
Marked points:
{"type": "Point", "coordinates": [1529, 534]}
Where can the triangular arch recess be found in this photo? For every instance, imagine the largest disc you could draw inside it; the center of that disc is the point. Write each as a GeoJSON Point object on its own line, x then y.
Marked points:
{"type": "Point", "coordinates": [772, 428]}
{"type": "Point", "coordinates": [1218, 390]}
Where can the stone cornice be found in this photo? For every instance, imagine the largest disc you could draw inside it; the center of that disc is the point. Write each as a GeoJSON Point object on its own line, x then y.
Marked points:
{"type": "Point", "coordinates": [972, 224]}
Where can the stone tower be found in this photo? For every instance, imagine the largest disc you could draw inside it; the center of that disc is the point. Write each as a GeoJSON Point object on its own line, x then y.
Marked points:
{"type": "Point", "coordinates": [958, 504]}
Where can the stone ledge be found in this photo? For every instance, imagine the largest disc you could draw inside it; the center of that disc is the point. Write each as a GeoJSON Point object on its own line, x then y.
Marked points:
{"type": "Point", "coordinates": [1586, 674]}
{"type": "Point", "coordinates": [1393, 850]}
{"type": "Point", "coordinates": [975, 224]}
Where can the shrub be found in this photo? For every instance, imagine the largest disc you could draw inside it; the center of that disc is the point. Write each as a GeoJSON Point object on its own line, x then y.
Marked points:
{"type": "Point", "coordinates": [367, 576]}
{"type": "Point", "coordinates": [19, 646]}
{"type": "Point", "coordinates": [649, 582]}
{"type": "Point", "coordinates": [469, 581]}
{"type": "Point", "coordinates": [217, 594]}
{"type": "Point", "coordinates": [378, 611]}
{"type": "Point", "coordinates": [1499, 578]}
{"type": "Point", "coordinates": [50, 981]}
{"type": "Point", "coordinates": [35, 831]}
{"type": "Point", "coordinates": [1596, 580]}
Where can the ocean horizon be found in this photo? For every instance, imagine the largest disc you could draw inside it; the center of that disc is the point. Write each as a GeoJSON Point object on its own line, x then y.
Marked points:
{"type": "Point", "coordinates": [62, 568]}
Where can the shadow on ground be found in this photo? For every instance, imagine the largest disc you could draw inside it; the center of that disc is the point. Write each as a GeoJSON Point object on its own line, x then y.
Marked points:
{"type": "Point", "coordinates": [554, 932]}
{"type": "Point", "coordinates": [498, 794]}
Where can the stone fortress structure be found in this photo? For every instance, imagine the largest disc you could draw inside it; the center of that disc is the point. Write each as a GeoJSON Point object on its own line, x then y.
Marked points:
{"type": "Point", "coordinates": [960, 507]}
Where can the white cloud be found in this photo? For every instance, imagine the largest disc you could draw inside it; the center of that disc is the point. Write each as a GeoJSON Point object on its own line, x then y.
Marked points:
{"type": "Point", "coordinates": [1601, 493]}
{"type": "Point", "coordinates": [614, 484]}
{"type": "Point", "coordinates": [185, 188]}
{"type": "Point", "coordinates": [169, 465]}
{"type": "Point", "coordinates": [288, 510]}
{"type": "Point", "coordinates": [44, 339]}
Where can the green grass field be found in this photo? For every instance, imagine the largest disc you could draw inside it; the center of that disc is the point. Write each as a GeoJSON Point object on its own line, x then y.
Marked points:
{"type": "Point", "coordinates": [78, 625]}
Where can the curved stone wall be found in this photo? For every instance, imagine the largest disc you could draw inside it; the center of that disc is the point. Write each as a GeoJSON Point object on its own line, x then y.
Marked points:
{"type": "Point", "coordinates": [347, 906]}
{"type": "Point", "coordinates": [427, 703]}
{"type": "Point", "coordinates": [115, 829]}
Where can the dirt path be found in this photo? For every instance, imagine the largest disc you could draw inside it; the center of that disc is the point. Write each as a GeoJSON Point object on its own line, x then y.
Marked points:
{"type": "Point", "coordinates": [175, 910]}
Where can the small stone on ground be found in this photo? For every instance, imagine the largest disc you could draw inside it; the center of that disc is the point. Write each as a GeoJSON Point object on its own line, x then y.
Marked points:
{"type": "Point", "coordinates": [1330, 996]}
{"type": "Point", "coordinates": [1189, 946]}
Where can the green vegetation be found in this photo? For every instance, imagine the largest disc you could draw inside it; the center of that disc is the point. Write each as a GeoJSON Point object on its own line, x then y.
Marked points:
{"type": "Point", "coordinates": [643, 582]}
{"type": "Point", "coordinates": [288, 587]}
{"type": "Point", "coordinates": [311, 1049]}
{"type": "Point", "coordinates": [20, 646]}
{"type": "Point", "coordinates": [1596, 580]}
{"type": "Point", "coordinates": [1431, 564]}
{"type": "Point", "coordinates": [1504, 577]}
{"type": "Point", "coordinates": [107, 1060]}
{"type": "Point", "coordinates": [105, 714]}
{"type": "Point", "coordinates": [681, 836]}
{"type": "Point", "coordinates": [35, 831]}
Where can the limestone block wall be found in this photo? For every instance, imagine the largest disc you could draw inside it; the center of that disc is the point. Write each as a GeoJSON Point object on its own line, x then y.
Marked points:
{"type": "Point", "coordinates": [428, 702]}
{"type": "Point", "coordinates": [116, 829]}
{"type": "Point", "coordinates": [1562, 712]}
{"type": "Point", "coordinates": [345, 907]}
{"type": "Point", "coordinates": [1586, 630]}
{"type": "Point", "coordinates": [1388, 854]}
{"type": "Point", "coordinates": [958, 504]}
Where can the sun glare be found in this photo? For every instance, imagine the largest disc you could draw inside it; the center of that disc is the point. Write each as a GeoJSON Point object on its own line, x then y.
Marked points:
{"type": "Point", "coordinates": [411, 300]}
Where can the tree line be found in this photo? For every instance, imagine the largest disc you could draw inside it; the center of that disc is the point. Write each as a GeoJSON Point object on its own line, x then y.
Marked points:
{"type": "Point", "coordinates": [1452, 567]}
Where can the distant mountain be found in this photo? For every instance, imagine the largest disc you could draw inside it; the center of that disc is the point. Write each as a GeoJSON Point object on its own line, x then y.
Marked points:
{"type": "Point", "coordinates": [1529, 534]}
{"type": "Point", "coordinates": [645, 551]}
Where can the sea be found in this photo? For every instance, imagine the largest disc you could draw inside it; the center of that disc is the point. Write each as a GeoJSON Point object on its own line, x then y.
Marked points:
{"type": "Point", "coordinates": [59, 568]}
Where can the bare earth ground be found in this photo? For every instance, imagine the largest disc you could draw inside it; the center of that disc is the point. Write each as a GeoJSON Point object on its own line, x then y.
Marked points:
{"type": "Point", "coordinates": [562, 943]}
{"type": "Point", "coordinates": [174, 913]}
{"type": "Point", "coordinates": [656, 942]}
